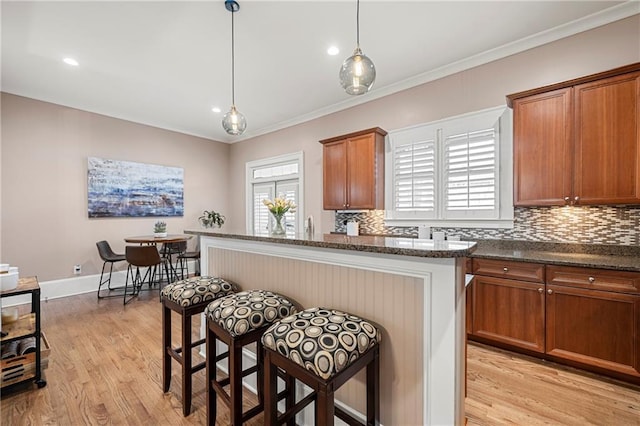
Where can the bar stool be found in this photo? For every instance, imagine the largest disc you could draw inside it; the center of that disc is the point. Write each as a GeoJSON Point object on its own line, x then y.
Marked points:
{"type": "Point", "coordinates": [188, 298]}
{"type": "Point", "coordinates": [323, 348]}
{"type": "Point", "coordinates": [108, 256]}
{"type": "Point", "coordinates": [239, 320]}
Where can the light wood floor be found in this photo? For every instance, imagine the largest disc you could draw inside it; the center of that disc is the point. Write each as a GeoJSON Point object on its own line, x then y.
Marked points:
{"type": "Point", "coordinates": [105, 363]}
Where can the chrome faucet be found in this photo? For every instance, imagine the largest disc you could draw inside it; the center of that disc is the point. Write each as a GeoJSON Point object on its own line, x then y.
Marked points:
{"type": "Point", "coordinates": [308, 226]}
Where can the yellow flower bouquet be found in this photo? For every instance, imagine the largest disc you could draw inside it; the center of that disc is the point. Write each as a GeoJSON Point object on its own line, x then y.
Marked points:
{"type": "Point", "coordinates": [278, 207]}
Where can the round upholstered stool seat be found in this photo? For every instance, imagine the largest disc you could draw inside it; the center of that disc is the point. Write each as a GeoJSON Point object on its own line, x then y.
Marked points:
{"type": "Point", "coordinates": [322, 348]}
{"type": "Point", "coordinates": [196, 290]}
{"type": "Point", "coordinates": [187, 298]}
{"type": "Point", "coordinates": [246, 311]}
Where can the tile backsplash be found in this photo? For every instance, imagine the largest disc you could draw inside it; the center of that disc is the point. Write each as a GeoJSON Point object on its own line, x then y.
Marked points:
{"type": "Point", "coordinates": [583, 225]}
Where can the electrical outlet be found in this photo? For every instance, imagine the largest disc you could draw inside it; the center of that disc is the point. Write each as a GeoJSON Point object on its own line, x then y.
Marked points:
{"type": "Point", "coordinates": [77, 269]}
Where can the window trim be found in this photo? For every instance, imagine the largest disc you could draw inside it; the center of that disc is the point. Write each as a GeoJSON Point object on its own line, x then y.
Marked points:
{"type": "Point", "coordinates": [504, 172]}
{"type": "Point", "coordinates": [269, 162]}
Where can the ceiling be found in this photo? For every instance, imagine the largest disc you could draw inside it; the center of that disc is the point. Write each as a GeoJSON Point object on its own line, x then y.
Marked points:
{"type": "Point", "coordinates": [167, 63]}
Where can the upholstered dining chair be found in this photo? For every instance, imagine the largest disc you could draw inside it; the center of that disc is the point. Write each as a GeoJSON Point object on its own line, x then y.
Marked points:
{"type": "Point", "coordinates": [142, 257]}
{"type": "Point", "coordinates": [108, 257]}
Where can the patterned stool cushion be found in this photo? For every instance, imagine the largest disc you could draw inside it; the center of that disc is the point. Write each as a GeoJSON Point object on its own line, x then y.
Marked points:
{"type": "Point", "coordinates": [196, 290]}
{"type": "Point", "coordinates": [250, 310]}
{"type": "Point", "coordinates": [321, 340]}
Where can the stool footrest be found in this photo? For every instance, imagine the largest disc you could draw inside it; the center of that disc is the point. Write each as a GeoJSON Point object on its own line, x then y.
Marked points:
{"type": "Point", "coordinates": [291, 412]}
{"type": "Point", "coordinates": [252, 412]}
{"type": "Point", "coordinates": [346, 417]}
{"type": "Point", "coordinates": [220, 384]}
{"type": "Point", "coordinates": [198, 367]}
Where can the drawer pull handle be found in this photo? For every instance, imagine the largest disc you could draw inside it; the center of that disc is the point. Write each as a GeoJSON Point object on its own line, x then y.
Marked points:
{"type": "Point", "coordinates": [566, 199]}
{"type": "Point", "coordinates": [540, 290]}
{"type": "Point", "coordinates": [505, 269]}
{"type": "Point", "coordinates": [591, 279]}
{"type": "Point", "coordinates": [576, 199]}
{"type": "Point", "coordinates": [550, 291]}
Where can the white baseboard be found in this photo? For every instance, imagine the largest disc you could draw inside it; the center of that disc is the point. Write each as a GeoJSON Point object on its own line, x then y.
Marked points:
{"type": "Point", "coordinates": [73, 286]}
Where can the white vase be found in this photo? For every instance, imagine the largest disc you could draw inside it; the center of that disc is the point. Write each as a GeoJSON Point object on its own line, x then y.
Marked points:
{"type": "Point", "coordinates": [159, 234]}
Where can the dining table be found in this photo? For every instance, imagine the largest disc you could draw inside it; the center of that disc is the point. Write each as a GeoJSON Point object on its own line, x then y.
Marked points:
{"type": "Point", "coordinates": [167, 240]}
{"type": "Point", "coordinates": [152, 239]}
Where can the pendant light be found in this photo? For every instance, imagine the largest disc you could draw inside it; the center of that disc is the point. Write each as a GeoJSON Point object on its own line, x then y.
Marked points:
{"type": "Point", "coordinates": [358, 72]}
{"type": "Point", "coordinates": [233, 122]}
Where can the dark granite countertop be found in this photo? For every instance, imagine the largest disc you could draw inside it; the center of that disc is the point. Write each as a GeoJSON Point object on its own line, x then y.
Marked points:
{"type": "Point", "coordinates": [372, 244]}
{"type": "Point", "coordinates": [623, 258]}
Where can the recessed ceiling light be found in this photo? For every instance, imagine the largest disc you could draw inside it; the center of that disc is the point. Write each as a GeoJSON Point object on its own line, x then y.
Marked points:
{"type": "Point", "coordinates": [216, 109]}
{"type": "Point", "coordinates": [333, 51]}
{"type": "Point", "coordinates": [71, 61]}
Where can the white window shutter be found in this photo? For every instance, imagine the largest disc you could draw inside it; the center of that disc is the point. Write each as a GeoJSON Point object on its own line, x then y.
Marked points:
{"type": "Point", "coordinates": [414, 176]}
{"type": "Point", "coordinates": [261, 215]}
{"type": "Point", "coordinates": [289, 190]}
{"type": "Point", "coordinates": [470, 174]}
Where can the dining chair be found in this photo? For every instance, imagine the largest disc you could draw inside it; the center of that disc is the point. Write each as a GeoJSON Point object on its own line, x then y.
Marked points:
{"type": "Point", "coordinates": [142, 257]}
{"type": "Point", "coordinates": [108, 257]}
{"type": "Point", "coordinates": [169, 250]}
{"type": "Point", "coordinates": [183, 262]}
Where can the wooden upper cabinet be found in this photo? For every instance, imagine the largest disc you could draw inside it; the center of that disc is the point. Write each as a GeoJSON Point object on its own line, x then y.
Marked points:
{"type": "Point", "coordinates": [353, 171]}
{"type": "Point", "coordinates": [542, 153]}
{"type": "Point", "coordinates": [607, 135]}
{"type": "Point", "coordinates": [578, 142]}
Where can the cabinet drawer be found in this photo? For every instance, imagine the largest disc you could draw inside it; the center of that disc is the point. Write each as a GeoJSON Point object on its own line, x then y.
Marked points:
{"type": "Point", "coordinates": [596, 279]}
{"type": "Point", "coordinates": [524, 271]}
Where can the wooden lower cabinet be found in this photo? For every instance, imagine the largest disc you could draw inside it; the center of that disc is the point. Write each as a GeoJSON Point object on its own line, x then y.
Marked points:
{"type": "Point", "coordinates": [591, 320]}
{"type": "Point", "coordinates": [594, 328]}
{"type": "Point", "coordinates": [509, 311]}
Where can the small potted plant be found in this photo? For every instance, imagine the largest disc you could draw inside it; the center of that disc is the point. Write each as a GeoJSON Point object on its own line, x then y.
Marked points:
{"type": "Point", "coordinates": [209, 219]}
{"type": "Point", "coordinates": [160, 229]}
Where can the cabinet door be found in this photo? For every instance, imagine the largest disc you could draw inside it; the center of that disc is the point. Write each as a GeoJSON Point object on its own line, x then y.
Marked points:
{"type": "Point", "coordinates": [334, 175]}
{"type": "Point", "coordinates": [361, 172]}
{"type": "Point", "coordinates": [592, 327]}
{"type": "Point", "coordinates": [509, 311]}
{"type": "Point", "coordinates": [607, 141]}
{"type": "Point", "coordinates": [542, 149]}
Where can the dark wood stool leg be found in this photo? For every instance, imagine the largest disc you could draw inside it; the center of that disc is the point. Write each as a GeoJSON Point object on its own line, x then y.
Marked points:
{"type": "Point", "coordinates": [260, 372]}
{"type": "Point", "coordinates": [235, 384]}
{"type": "Point", "coordinates": [373, 390]}
{"type": "Point", "coordinates": [324, 405]}
{"type": "Point", "coordinates": [186, 364]}
{"type": "Point", "coordinates": [211, 376]}
{"type": "Point", "coordinates": [271, 389]}
{"type": "Point", "coordinates": [290, 401]}
{"type": "Point", "coordinates": [166, 346]}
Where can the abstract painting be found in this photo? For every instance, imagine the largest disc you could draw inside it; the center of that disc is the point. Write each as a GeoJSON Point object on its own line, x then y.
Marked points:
{"type": "Point", "coordinates": [128, 189]}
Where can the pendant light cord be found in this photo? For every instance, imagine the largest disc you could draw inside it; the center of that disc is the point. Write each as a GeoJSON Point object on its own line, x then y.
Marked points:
{"type": "Point", "coordinates": [233, 63]}
{"type": "Point", "coordinates": [358, 23]}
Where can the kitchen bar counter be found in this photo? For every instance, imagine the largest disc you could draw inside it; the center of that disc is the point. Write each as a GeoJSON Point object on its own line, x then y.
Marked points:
{"type": "Point", "coordinates": [372, 244]}
{"type": "Point", "coordinates": [413, 289]}
{"type": "Point", "coordinates": [621, 258]}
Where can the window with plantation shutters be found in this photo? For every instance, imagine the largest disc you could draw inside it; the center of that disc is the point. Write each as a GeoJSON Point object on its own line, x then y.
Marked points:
{"type": "Point", "coordinates": [470, 173]}
{"type": "Point", "coordinates": [260, 211]}
{"type": "Point", "coordinates": [414, 176]}
{"type": "Point", "coordinates": [447, 173]}
{"type": "Point", "coordinates": [268, 178]}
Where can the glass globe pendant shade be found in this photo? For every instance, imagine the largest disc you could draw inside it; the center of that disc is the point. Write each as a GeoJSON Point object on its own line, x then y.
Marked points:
{"type": "Point", "coordinates": [357, 74]}
{"type": "Point", "coordinates": [234, 122]}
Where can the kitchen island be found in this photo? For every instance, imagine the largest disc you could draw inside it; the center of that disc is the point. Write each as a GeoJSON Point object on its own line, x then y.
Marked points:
{"type": "Point", "coordinates": [413, 289]}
